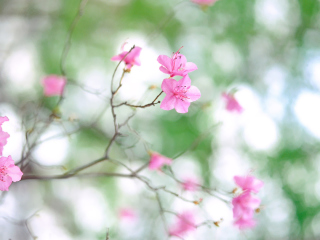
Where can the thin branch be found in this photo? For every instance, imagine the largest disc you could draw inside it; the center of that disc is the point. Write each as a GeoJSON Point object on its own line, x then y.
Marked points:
{"type": "Point", "coordinates": [153, 103]}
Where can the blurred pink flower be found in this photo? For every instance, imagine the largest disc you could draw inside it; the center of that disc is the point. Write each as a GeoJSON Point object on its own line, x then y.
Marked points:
{"type": "Point", "coordinates": [179, 94]}
{"type": "Point", "coordinates": [184, 224]}
{"type": "Point", "coordinates": [127, 214]}
{"type": "Point", "coordinates": [248, 183]}
{"type": "Point", "coordinates": [8, 173]}
{"type": "Point", "coordinates": [177, 65]}
{"type": "Point", "coordinates": [3, 135]}
{"type": "Point", "coordinates": [204, 2]}
{"type": "Point", "coordinates": [244, 206]}
{"type": "Point", "coordinates": [231, 103]}
{"type": "Point", "coordinates": [157, 161]}
{"type": "Point", "coordinates": [131, 59]}
{"type": "Point", "coordinates": [190, 184]}
{"type": "Point", "coordinates": [54, 85]}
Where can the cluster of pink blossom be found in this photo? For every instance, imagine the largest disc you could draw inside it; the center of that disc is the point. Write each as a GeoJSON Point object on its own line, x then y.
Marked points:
{"type": "Point", "coordinates": [130, 59]}
{"type": "Point", "coordinates": [53, 85]}
{"type": "Point", "coordinates": [204, 3]}
{"type": "Point", "coordinates": [8, 171]}
{"type": "Point", "coordinates": [179, 94]}
{"type": "Point", "coordinates": [245, 204]}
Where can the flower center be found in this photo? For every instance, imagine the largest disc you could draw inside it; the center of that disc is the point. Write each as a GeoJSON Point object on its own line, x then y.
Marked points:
{"type": "Point", "coordinates": [180, 92]}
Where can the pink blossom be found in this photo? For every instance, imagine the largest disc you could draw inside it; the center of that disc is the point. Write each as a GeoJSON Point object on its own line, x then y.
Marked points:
{"type": "Point", "coordinates": [204, 2]}
{"type": "Point", "coordinates": [157, 161]}
{"type": "Point", "coordinates": [54, 85]}
{"type": "Point", "coordinates": [248, 183]}
{"type": "Point", "coordinates": [3, 135]}
{"type": "Point", "coordinates": [8, 173]}
{"type": "Point", "coordinates": [127, 214]}
{"type": "Point", "coordinates": [131, 59]}
{"type": "Point", "coordinates": [184, 224]}
{"type": "Point", "coordinates": [190, 184]}
{"type": "Point", "coordinates": [231, 103]}
{"type": "Point", "coordinates": [179, 94]}
{"type": "Point", "coordinates": [244, 206]}
{"type": "Point", "coordinates": [177, 65]}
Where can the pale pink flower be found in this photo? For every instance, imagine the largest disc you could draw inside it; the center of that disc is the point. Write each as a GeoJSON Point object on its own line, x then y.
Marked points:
{"type": "Point", "coordinates": [190, 184]}
{"type": "Point", "coordinates": [177, 65]}
{"type": "Point", "coordinates": [231, 103]}
{"type": "Point", "coordinates": [184, 224]}
{"type": "Point", "coordinates": [127, 214]}
{"type": "Point", "coordinates": [131, 59]}
{"type": "Point", "coordinates": [179, 94]}
{"type": "Point", "coordinates": [54, 85]}
{"type": "Point", "coordinates": [157, 161]}
{"type": "Point", "coordinates": [8, 173]}
{"type": "Point", "coordinates": [204, 2]}
{"type": "Point", "coordinates": [3, 135]}
{"type": "Point", "coordinates": [244, 206]}
{"type": "Point", "coordinates": [248, 183]}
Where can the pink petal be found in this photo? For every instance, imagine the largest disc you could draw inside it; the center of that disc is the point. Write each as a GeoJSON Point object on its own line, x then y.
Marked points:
{"type": "Point", "coordinates": [181, 106]}
{"type": "Point", "coordinates": [185, 81]}
{"type": "Point", "coordinates": [3, 119]}
{"type": "Point", "coordinates": [15, 173]}
{"type": "Point", "coordinates": [249, 183]}
{"type": "Point", "coordinates": [193, 93]}
{"type": "Point", "coordinates": [4, 185]}
{"type": "Point", "coordinates": [168, 102]}
{"type": "Point", "coordinates": [168, 85]}
{"type": "Point", "coordinates": [3, 139]}
{"type": "Point", "coordinates": [190, 67]}
{"type": "Point", "coordinates": [157, 161]}
{"type": "Point", "coordinates": [164, 70]}
{"type": "Point", "coordinates": [165, 61]}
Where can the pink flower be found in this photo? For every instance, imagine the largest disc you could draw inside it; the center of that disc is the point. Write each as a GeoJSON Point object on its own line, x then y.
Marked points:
{"type": "Point", "coordinates": [127, 214]}
{"type": "Point", "coordinates": [204, 2]}
{"type": "Point", "coordinates": [190, 184]}
{"type": "Point", "coordinates": [179, 94]}
{"type": "Point", "coordinates": [131, 59]}
{"type": "Point", "coordinates": [54, 85]}
{"type": "Point", "coordinates": [184, 224]}
{"type": "Point", "coordinates": [157, 161]}
{"type": "Point", "coordinates": [244, 206]}
{"type": "Point", "coordinates": [8, 173]}
{"type": "Point", "coordinates": [231, 103]}
{"type": "Point", "coordinates": [3, 135]}
{"type": "Point", "coordinates": [248, 183]}
{"type": "Point", "coordinates": [177, 65]}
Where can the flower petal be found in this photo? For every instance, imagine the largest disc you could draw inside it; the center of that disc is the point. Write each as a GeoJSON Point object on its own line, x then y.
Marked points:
{"type": "Point", "coordinates": [182, 106]}
{"type": "Point", "coordinates": [164, 70]}
{"type": "Point", "coordinates": [168, 102]}
{"type": "Point", "coordinates": [4, 185]}
{"type": "Point", "coordinates": [193, 93]}
{"type": "Point", "coordinates": [185, 81]}
{"type": "Point", "coordinates": [190, 67]}
{"type": "Point", "coordinates": [15, 173]}
{"type": "Point", "coordinates": [168, 85]}
{"type": "Point", "coordinates": [165, 61]}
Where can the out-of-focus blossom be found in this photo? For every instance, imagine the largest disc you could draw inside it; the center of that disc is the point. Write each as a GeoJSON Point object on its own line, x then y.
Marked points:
{"type": "Point", "coordinates": [190, 184]}
{"type": "Point", "coordinates": [54, 85]}
{"type": "Point", "coordinates": [8, 173]}
{"type": "Point", "coordinates": [177, 65]}
{"type": "Point", "coordinates": [157, 161]}
{"type": "Point", "coordinates": [231, 103]}
{"type": "Point", "coordinates": [249, 183]}
{"type": "Point", "coordinates": [204, 2]}
{"type": "Point", "coordinates": [179, 94]}
{"type": "Point", "coordinates": [127, 214]}
{"type": "Point", "coordinates": [184, 224]}
{"type": "Point", "coordinates": [131, 59]}
{"type": "Point", "coordinates": [3, 135]}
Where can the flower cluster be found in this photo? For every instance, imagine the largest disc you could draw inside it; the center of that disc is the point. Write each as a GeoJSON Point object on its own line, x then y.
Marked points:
{"type": "Point", "coordinates": [179, 94]}
{"type": "Point", "coordinates": [245, 204]}
{"type": "Point", "coordinates": [8, 171]}
{"type": "Point", "coordinates": [184, 224]}
{"type": "Point", "coordinates": [129, 58]}
{"type": "Point", "coordinates": [232, 105]}
{"type": "Point", "coordinates": [53, 85]}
